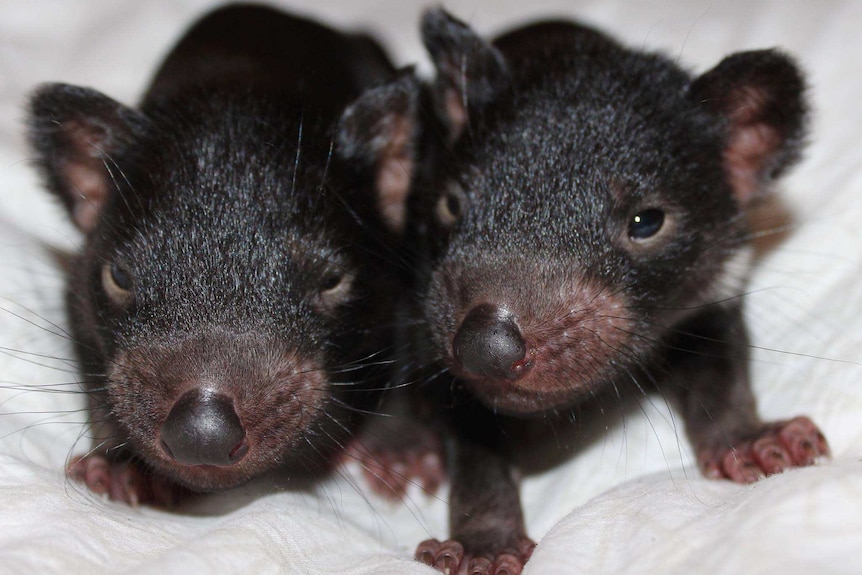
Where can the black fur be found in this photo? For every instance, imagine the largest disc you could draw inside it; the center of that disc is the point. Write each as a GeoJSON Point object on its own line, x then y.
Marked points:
{"type": "Point", "coordinates": [235, 245]}
{"type": "Point", "coordinates": [595, 198]}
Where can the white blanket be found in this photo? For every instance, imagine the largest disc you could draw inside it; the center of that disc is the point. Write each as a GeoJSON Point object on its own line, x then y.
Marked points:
{"type": "Point", "coordinates": [629, 500]}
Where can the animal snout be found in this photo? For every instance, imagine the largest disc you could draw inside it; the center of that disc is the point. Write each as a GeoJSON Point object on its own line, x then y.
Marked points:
{"type": "Point", "coordinates": [203, 428]}
{"type": "Point", "coordinates": [488, 343]}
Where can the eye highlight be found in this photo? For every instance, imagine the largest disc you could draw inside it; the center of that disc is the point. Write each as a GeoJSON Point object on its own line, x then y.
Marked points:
{"type": "Point", "coordinates": [117, 283]}
{"type": "Point", "coordinates": [646, 224]}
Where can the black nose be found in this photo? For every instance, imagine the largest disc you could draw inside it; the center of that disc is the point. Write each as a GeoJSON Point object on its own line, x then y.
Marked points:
{"type": "Point", "coordinates": [489, 344]}
{"type": "Point", "coordinates": [204, 429]}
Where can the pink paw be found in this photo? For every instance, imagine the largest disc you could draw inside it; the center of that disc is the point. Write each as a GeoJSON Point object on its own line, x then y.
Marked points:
{"type": "Point", "coordinates": [449, 558]}
{"type": "Point", "coordinates": [124, 481]}
{"type": "Point", "coordinates": [391, 465]}
{"type": "Point", "coordinates": [779, 446]}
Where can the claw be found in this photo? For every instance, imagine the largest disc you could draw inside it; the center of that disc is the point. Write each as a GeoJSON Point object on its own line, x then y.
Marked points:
{"type": "Point", "coordinates": [449, 557]}
{"type": "Point", "coordinates": [126, 482]}
{"type": "Point", "coordinates": [778, 446]}
{"type": "Point", "coordinates": [390, 467]}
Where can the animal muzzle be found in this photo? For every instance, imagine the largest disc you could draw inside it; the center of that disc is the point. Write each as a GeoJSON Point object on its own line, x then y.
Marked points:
{"type": "Point", "coordinates": [489, 344]}
{"type": "Point", "coordinates": [203, 428]}
{"type": "Point", "coordinates": [524, 339]}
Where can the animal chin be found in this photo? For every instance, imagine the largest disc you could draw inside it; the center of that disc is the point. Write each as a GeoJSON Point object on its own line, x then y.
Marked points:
{"type": "Point", "coordinates": [227, 457]}
{"type": "Point", "coordinates": [543, 387]}
{"type": "Point", "coordinates": [204, 478]}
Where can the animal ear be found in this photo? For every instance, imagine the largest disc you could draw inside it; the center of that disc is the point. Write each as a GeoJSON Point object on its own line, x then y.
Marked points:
{"type": "Point", "coordinates": [76, 132]}
{"type": "Point", "coordinates": [760, 97]}
{"type": "Point", "coordinates": [470, 72]}
{"type": "Point", "coordinates": [378, 134]}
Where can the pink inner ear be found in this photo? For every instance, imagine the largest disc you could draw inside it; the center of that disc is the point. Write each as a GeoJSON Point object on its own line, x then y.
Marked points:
{"type": "Point", "coordinates": [747, 158]}
{"type": "Point", "coordinates": [752, 143]}
{"type": "Point", "coordinates": [89, 192]}
{"type": "Point", "coordinates": [394, 174]}
{"type": "Point", "coordinates": [456, 112]}
{"type": "Point", "coordinates": [85, 174]}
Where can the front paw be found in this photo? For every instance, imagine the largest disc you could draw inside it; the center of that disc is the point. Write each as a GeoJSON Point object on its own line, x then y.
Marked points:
{"type": "Point", "coordinates": [397, 457]}
{"type": "Point", "coordinates": [124, 481]}
{"type": "Point", "coordinates": [449, 557]}
{"type": "Point", "coordinates": [778, 446]}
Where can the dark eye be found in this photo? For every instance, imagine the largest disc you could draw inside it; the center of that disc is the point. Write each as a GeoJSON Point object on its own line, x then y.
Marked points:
{"type": "Point", "coordinates": [120, 277]}
{"type": "Point", "coordinates": [335, 289]}
{"type": "Point", "coordinates": [331, 282]}
{"type": "Point", "coordinates": [646, 224]}
{"type": "Point", "coordinates": [117, 283]}
{"type": "Point", "coordinates": [450, 206]}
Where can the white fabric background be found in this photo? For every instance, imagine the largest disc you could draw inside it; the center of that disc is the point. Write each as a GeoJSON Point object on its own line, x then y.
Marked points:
{"type": "Point", "coordinates": [629, 501]}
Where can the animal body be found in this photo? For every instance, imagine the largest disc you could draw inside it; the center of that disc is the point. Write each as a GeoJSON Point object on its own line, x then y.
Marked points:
{"type": "Point", "coordinates": [588, 232]}
{"type": "Point", "coordinates": [231, 298]}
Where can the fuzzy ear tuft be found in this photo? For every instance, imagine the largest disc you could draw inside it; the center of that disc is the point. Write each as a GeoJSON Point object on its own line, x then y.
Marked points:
{"type": "Point", "coordinates": [378, 132]}
{"type": "Point", "coordinates": [760, 97]}
{"type": "Point", "coordinates": [471, 73]}
{"type": "Point", "coordinates": [76, 132]}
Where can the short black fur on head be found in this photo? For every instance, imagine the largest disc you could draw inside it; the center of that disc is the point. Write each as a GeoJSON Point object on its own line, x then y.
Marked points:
{"type": "Point", "coordinates": [237, 227]}
{"type": "Point", "coordinates": [595, 191]}
{"type": "Point", "coordinates": [589, 233]}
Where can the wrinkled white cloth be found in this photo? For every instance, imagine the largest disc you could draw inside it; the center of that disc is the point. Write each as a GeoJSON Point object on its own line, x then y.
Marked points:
{"type": "Point", "coordinates": [628, 501]}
